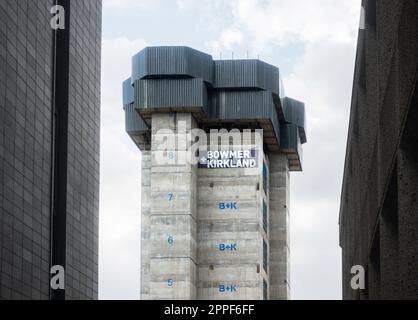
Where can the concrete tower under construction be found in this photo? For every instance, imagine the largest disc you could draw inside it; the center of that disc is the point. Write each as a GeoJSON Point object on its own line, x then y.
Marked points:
{"type": "Point", "coordinates": [218, 141]}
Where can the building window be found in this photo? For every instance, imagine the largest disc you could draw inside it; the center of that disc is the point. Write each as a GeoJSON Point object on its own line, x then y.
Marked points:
{"type": "Point", "coordinates": [265, 216]}
{"type": "Point", "coordinates": [265, 181]}
{"type": "Point", "coordinates": [265, 292]}
{"type": "Point", "coordinates": [265, 255]}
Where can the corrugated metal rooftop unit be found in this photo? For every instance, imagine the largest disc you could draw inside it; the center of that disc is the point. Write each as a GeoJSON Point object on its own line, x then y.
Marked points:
{"type": "Point", "coordinates": [172, 62]}
{"type": "Point", "coordinates": [228, 93]}
{"type": "Point", "coordinates": [247, 74]}
{"type": "Point", "coordinates": [135, 126]}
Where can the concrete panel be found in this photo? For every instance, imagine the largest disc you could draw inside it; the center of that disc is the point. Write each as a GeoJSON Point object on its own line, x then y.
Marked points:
{"type": "Point", "coordinates": [245, 282]}
{"type": "Point", "coordinates": [181, 168]}
{"type": "Point", "coordinates": [280, 179]}
{"type": "Point", "coordinates": [172, 279]}
{"type": "Point", "coordinates": [165, 139]}
{"type": "Point", "coordinates": [279, 194]}
{"type": "Point", "coordinates": [180, 182]}
{"type": "Point", "coordinates": [181, 290]}
{"type": "Point", "coordinates": [181, 203]}
{"type": "Point", "coordinates": [183, 269]}
{"type": "Point", "coordinates": [247, 209]}
{"type": "Point", "coordinates": [245, 229]}
{"type": "Point", "coordinates": [234, 188]}
{"type": "Point", "coordinates": [281, 292]}
{"type": "Point", "coordinates": [281, 267]}
{"type": "Point", "coordinates": [230, 173]}
{"type": "Point", "coordinates": [279, 234]}
{"type": "Point", "coordinates": [280, 253]}
{"type": "Point", "coordinates": [242, 251]}
{"type": "Point", "coordinates": [173, 236]}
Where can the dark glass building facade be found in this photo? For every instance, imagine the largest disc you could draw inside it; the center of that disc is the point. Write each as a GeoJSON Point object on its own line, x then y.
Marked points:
{"type": "Point", "coordinates": [49, 148]}
{"type": "Point", "coordinates": [379, 207]}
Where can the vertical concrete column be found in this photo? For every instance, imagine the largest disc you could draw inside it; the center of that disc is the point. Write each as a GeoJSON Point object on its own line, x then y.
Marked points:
{"type": "Point", "coordinates": [408, 220]}
{"type": "Point", "coordinates": [279, 227]}
{"type": "Point", "coordinates": [145, 224]}
{"type": "Point", "coordinates": [173, 209]}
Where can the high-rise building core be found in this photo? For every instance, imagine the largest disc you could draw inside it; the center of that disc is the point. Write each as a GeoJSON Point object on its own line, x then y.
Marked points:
{"type": "Point", "coordinates": [216, 228]}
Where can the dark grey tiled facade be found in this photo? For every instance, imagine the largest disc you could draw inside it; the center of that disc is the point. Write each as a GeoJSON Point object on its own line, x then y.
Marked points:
{"type": "Point", "coordinates": [379, 207]}
{"type": "Point", "coordinates": [27, 155]}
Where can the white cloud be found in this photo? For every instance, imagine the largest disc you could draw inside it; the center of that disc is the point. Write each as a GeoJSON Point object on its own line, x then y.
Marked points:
{"type": "Point", "coordinates": [227, 40]}
{"type": "Point", "coordinates": [120, 180]}
{"type": "Point", "coordinates": [116, 67]}
{"type": "Point", "coordinates": [269, 23]}
{"type": "Point", "coordinates": [322, 79]}
{"type": "Point", "coordinates": [202, 7]}
{"type": "Point", "coordinates": [185, 5]}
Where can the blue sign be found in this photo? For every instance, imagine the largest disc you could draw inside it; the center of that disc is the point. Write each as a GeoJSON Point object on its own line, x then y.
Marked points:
{"type": "Point", "coordinates": [229, 288]}
{"type": "Point", "coordinates": [228, 206]}
{"type": "Point", "coordinates": [228, 247]}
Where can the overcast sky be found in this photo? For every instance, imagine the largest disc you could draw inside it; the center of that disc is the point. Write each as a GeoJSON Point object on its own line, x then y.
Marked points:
{"type": "Point", "coordinates": [312, 42]}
